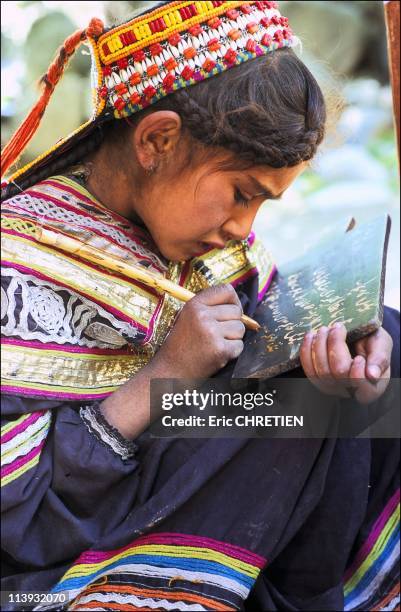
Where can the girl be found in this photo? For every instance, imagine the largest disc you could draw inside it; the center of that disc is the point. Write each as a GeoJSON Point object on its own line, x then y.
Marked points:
{"type": "Point", "coordinates": [203, 111]}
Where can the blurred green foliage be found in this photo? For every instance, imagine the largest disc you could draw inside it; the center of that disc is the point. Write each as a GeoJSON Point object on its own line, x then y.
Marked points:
{"type": "Point", "coordinates": [54, 28]}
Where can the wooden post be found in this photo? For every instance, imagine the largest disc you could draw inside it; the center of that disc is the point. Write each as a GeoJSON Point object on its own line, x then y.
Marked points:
{"type": "Point", "coordinates": [392, 17]}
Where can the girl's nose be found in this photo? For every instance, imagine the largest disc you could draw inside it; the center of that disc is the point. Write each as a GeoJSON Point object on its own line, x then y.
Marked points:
{"type": "Point", "coordinates": [239, 227]}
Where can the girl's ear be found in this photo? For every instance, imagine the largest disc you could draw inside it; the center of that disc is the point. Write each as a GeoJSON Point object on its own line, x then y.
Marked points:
{"type": "Point", "coordinates": [156, 137]}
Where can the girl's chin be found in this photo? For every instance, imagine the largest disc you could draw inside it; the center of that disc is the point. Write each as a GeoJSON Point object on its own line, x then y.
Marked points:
{"type": "Point", "coordinates": [186, 252]}
{"type": "Point", "coordinates": [176, 255]}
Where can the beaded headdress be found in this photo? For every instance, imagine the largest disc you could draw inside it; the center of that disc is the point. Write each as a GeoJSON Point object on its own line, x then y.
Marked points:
{"type": "Point", "coordinates": [174, 46]}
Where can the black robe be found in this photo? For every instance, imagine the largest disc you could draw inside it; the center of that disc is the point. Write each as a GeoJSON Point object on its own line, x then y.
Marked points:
{"type": "Point", "coordinates": [297, 511]}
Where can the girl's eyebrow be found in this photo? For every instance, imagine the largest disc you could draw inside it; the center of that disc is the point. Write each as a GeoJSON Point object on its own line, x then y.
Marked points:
{"type": "Point", "coordinates": [262, 190]}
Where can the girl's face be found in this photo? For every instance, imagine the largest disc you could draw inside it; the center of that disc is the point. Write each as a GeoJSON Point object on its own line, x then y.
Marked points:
{"type": "Point", "coordinates": [188, 208]}
{"type": "Point", "coordinates": [204, 208]}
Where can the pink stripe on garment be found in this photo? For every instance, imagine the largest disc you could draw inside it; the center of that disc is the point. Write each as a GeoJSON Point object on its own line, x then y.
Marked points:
{"type": "Point", "coordinates": [18, 463]}
{"type": "Point", "coordinates": [46, 393]}
{"type": "Point", "coordinates": [251, 238]}
{"type": "Point", "coordinates": [374, 534]}
{"type": "Point", "coordinates": [78, 210]}
{"type": "Point", "coordinates": [77, 194]}
{"type": "Point", "coordinates": [80, 196]}
{"type": "Point", "coordinates": [205, 542]}
{"type": "Point", "coordinates": [14, 233]}
{"type": "Point", "coordinates": [32, 418]}
{"type": "Point", "coordinates": [174, 539]}
{"type": "Point", "coordinates": [251, 273]}
{"type": "Point", "coordinates": [152, 321]}
{"type": "Point", "coordinates": [63, 348]}
{"type": "Point", "coordinates": [48, 221]}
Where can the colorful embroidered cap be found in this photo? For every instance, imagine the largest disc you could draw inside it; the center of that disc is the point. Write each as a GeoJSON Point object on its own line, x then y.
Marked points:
{"type": "Point", "coordinates": [174, 46]}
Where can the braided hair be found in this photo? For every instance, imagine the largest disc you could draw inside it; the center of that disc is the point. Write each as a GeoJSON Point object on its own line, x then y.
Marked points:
{"type": "Point", "coordinates": [270, 111]}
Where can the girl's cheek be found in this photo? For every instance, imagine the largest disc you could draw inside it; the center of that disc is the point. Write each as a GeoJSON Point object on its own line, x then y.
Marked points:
{"type": "Point", "coordinates": [219, 210]}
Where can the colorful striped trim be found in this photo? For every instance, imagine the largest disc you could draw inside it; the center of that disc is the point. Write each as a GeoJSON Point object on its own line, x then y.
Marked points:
{"type": "Point", "coordinates": [62, 184]}
{"type": "Point", "coordinates": [376, 558]}
{"type": "Point", "coordinates": [66, 373]}
{"type": "Point", "coordinates": [42, 391]}
{"type": "Point", "coordinates": [164, 571]}
{"type": "Point", "coordinates": [265, 281]}
{"type": "Point", "coordinates": [123, 597]}
{"type": "Point", "coordinates": [50, 346]}
{"type": "Point", "coordinates": [21, 444]}
{"type": "Point", "coordinates": [391, 601]}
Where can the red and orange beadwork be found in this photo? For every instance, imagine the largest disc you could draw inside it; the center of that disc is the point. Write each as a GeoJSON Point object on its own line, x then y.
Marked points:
{"type": "Point", "coordinates": [181, 44]}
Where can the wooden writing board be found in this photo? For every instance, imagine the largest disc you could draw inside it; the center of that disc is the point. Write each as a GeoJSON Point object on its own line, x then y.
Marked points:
{"type": "Point", "coordinates": [341, 280]}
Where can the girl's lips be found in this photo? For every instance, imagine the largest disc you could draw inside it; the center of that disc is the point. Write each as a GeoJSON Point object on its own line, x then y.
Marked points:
{"type": "Point", "coordinates": [204, 247]}
{"type": "Point", "coordinates": [216, 245]}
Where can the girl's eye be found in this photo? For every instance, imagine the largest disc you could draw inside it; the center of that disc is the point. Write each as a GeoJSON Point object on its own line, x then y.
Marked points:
{"type": "Point", "coordinates": [240, 198]}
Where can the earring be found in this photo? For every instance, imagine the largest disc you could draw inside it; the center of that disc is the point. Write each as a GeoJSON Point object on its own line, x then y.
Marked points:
{"type": "Point", "coordinates": [151, 169]}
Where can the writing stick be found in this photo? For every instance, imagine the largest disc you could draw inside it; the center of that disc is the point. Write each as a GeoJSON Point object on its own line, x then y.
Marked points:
{"type": "Point", "coordinates": [111, 262]}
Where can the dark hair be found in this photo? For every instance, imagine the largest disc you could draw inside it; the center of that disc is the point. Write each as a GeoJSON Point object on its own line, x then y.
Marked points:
{"type": "Point", "coordinates": [268, 111]}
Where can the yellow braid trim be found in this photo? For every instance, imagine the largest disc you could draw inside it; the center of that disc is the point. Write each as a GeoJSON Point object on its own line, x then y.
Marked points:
{"type": "Point", "coordinates": [144, 33]}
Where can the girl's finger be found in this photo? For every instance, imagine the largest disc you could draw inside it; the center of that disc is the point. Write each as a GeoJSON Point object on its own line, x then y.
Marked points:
{"type": "Point", "coordinates": [339, 356]}
{"type": "Point", "coordinates": [227, 312]}
{"type": "Point", "coordinates": [356, 376]}
{"type": "Point", "coordinates": [364, 391]}
{"type": "Point", "coordinates": [357, 370]}
{"type": "Point", "coordinates": [219, 294]}
{"type": "Point", "coordinates": [319, 354]}
{"type": "Point", "coordinates": [377, 349]}
{"type": "Point", "coordinates": [234, 348]}
{"type": "Point", "coordinates": [378, 355]}
{"type": "Point", "coordinates": [328, 387]}
{"type": "Point", "coordinates": [305, 354]}
{"type": "Point", "coordinates": [376, 365]}
{"type": "Point", "coordinates": [232, 330]}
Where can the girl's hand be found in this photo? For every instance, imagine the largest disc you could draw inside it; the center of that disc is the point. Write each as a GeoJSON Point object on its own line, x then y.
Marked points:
{"type": "Point", "coordinates": [206, 335]}
{"type": "Point", "coordinates": [327, 361]}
